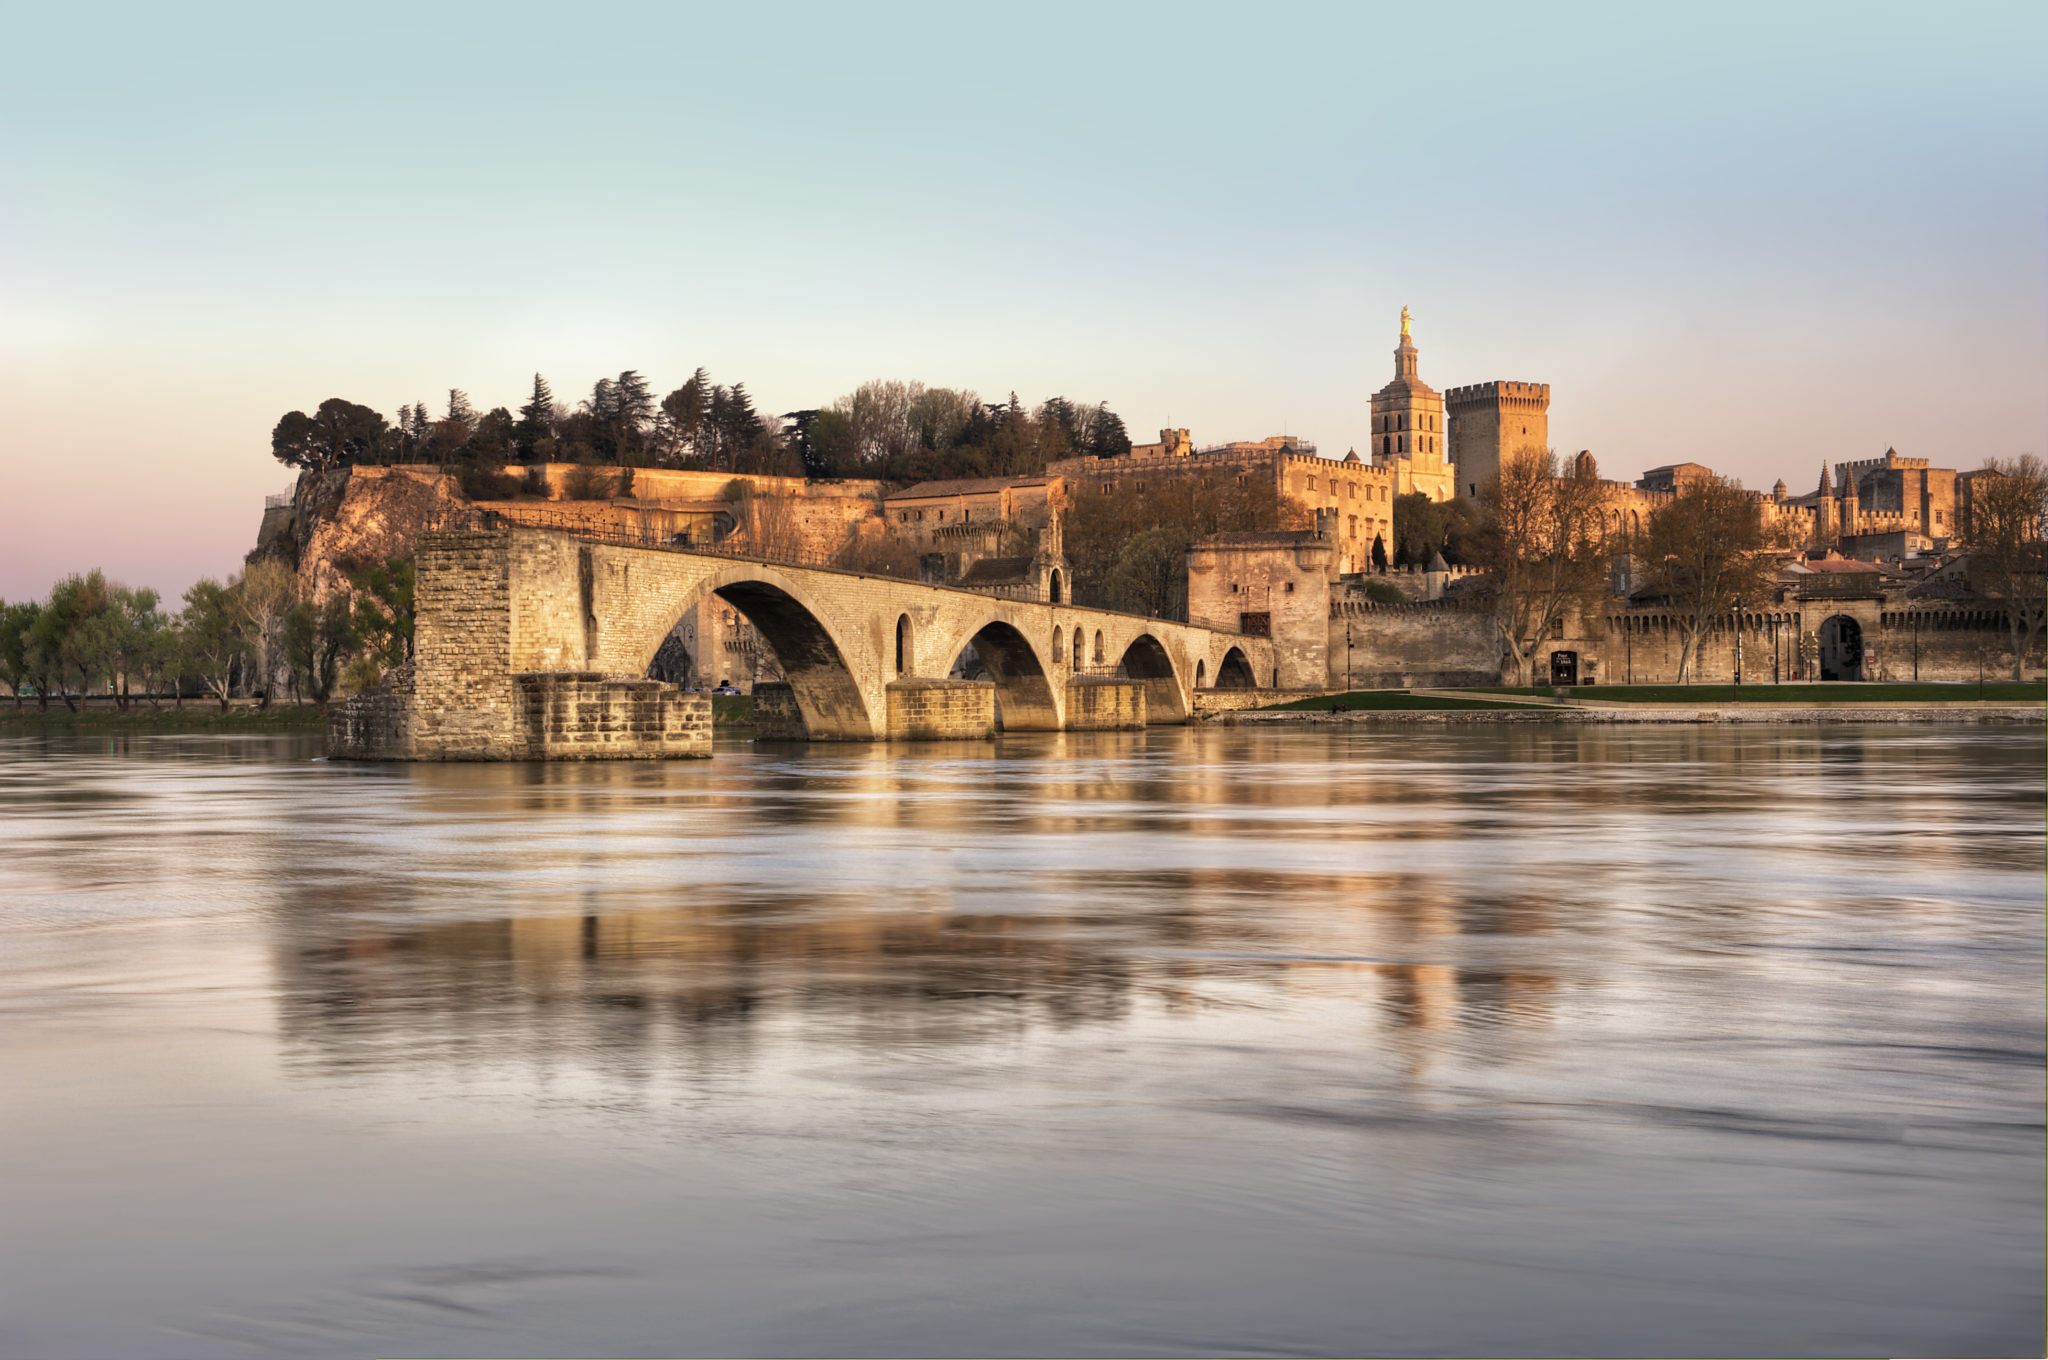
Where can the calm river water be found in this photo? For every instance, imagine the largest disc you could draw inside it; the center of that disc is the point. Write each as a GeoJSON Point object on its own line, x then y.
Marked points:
{"type": "Point", "coordinates": [1533, 1041]}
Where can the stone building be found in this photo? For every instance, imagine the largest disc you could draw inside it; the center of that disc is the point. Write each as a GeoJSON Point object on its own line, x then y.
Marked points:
{"type": "Point", "coordinates": [1408, 434]}
{"type": "Point", "coordinates": [1491, 420]}
{"type": "Point", "coordinates": [1274, 585]}
{"type": "Point", "coordinates": [1349, 499]}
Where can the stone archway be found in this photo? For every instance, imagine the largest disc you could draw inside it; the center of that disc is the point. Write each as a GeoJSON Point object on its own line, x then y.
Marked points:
{"type": "Point", "coordinates": [1146, 660]}
{"type": "Point", "coordinates": [1235, 672]}
{"type": "Point", "coordinates": [821, 682]}
{"type": "Point", "coordinates": [1841, 648]}
{"type": "Point", "coordinates": [1024, 694]}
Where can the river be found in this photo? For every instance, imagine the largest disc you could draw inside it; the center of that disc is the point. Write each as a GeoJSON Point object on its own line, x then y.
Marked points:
{"type": "Point", "coordinates": [1686, 1041]}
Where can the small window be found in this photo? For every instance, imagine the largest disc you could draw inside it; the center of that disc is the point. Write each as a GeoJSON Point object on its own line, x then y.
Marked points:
{"type": "Point", "coordinates": [1290, 587]}
{"type": "Point", "coordinates": [1311, 483]}
{"type": "Point", "coordinates": [1233, 587]}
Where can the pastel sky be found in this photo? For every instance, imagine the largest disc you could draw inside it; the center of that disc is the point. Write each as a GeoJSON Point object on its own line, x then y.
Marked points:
{"type": "Point", "coordinates": [1756, 237]}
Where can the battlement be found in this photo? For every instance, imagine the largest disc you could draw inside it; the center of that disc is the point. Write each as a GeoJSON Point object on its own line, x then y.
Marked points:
{"type": "Point", "coordinates": [1890, 460]}
{"type": "Point", "coordinates": [1522, 396]}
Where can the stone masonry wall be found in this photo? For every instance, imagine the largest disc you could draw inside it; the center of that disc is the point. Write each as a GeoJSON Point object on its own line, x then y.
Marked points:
{"type": "Point", "coordinates": [941, 710]}
{"type": "Point", "coordinates": [462, 652]}
{"type": "Point", "coordinates": [1105, 705]}
{"type": "Point", "coordinates": [586, 716]}
{"type": "Point", "coordinates": [1406, 646]}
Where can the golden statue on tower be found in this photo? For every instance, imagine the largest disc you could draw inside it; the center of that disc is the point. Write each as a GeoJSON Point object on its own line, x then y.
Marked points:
{"type": "Point", "coordinates": [1404, 323]}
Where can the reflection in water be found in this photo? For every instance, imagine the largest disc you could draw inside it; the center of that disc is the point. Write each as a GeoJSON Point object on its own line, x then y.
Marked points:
{"type": "Point", "coordinates": [1417, 1042]}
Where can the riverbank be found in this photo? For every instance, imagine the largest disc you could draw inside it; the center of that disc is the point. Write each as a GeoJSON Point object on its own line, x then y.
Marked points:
{"type": "Point", "coordinates": [196, 716]}
{"type": "Point", "coordinates": [1638, 715]}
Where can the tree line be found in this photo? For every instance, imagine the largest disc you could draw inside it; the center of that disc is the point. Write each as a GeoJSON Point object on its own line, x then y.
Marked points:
{"type": "Point", "coordinates": [259, 632]}
{"type": "Point", "coordinates": [895, 431]}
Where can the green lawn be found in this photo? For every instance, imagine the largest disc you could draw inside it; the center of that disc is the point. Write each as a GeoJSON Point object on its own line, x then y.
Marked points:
{"type": "Point", "coordinates": [1379, 701]}
{"type": "Point", "coordinates": [732, 710]}
{"type": "Point", "coordinates": [2003, 691]}
{"type": "Point", "coordinates": [198, 715]}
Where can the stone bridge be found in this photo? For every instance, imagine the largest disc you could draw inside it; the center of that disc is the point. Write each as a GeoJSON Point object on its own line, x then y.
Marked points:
{"type": "Point", "coordinates": [535, 644]}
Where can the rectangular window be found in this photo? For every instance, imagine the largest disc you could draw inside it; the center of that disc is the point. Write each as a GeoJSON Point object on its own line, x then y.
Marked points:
{"type": "Point", "coordinates": [1255, 625]}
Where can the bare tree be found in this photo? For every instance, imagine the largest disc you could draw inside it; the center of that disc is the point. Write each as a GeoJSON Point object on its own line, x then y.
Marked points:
{"type": "Point", "coordinates": [2008, 561]}
{"type": "Point", "coordinates": [1708, 556]}
{"type": "Point", "coordinates": [1541, 543]}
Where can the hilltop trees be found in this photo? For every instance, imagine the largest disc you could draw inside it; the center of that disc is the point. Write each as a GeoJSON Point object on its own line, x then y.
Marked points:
{"type": "Point", "coordinates": [337, 433]}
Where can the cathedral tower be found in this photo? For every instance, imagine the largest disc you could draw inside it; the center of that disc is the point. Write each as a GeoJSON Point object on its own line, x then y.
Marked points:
{"type": "Point", "coordinates": [1408, 428]}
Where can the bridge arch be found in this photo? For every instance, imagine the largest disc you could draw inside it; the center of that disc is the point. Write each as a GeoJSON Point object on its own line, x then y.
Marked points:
{"type": "Point", "coordinates": [1024, 690]}
{"type": "Point", "coordinates": [1146, 659]}
{"type": "Point", "coordinates": [806, 645]}
{"type": "Point", "coordinates": [1235, 671]}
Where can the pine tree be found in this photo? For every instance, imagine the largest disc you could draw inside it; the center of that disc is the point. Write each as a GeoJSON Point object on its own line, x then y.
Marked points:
{"type": "Point", "coordinates": [459, 408]}
{"type": "Point", "coordinates": [635, 411]}
{"type": "Point", "coordinates": [536, 419]}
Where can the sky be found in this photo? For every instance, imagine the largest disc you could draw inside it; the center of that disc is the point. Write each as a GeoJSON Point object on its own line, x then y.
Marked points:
{"type": "Point", "coordinates": [1756, 237]}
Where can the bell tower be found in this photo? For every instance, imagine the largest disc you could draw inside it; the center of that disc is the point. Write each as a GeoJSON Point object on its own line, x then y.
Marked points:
{"type": "Point", "coordinates": [1408, 427]}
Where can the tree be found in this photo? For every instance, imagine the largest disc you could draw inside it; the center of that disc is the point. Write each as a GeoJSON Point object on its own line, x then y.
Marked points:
{"type": "Point", "coordinates": [1150, 574]}
{"type": "Point", "coordinates": [536, 422]}
{"type": "Point", "coordinates": [1707, 557]}
{"type": "Point", "coordinates": [682, 418]}
{"type": "Point", "coordinates": [2008, 561]}
{"type": "Point", "coordinates": [337, 434]}
{"type": "Point", "coordinates": [1423, 528]}
{"type": "Point", "coordinates": [1101, 527]}
{"type": "Point", "coordinates": [318, 640]}
{"type": "Point", "coordinates": [1540, 544]}
{"type": "Point", "coordinates": [265, 595]}
{"type": "Point", "coordinates": [16, 621]}
{"type": "Point", "coordinates": [633, 415]}
{"type": "Point", "coordinates": [459, 409]}
{"type": "Point", "coordinates": [1107, 437]}
{"type": "Point", "coordinates": [385, 613]}
{"type": "Point", "coordinates": [211, 626]}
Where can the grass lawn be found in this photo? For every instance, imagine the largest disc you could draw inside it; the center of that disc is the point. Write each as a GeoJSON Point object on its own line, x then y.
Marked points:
{"type": "Point", "coordinates": [198, 715]}
{"type": "Point", "coordinates": [732, 710]}
{"type": "Point", "coordinates": [1379, 700]}
{"type": "Point", "coordinates": [2002, 691]}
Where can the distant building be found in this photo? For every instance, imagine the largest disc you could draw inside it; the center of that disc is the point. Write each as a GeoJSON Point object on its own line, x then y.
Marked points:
{"type": "Point", "coordinates": [1408, 434]}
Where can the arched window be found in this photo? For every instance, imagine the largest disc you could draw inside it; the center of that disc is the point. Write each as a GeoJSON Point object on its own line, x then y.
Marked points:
{"type": "Point", "coordinates": [1201, 670]}
{"type": "Point", "coordinates": [1079, 647]}
{"type": "Point", "coordinates": [902, 643]}
{"type": "Point", "coordinates": [1098, 646]}
{"type": "Point", "coordinates": [1055, 600]}
{"type": "Point", "coordinates": [1058, 646]}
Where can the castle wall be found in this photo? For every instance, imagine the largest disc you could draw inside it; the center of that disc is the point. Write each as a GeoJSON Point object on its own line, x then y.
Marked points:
{"type": "Point", "coordinates": [1408, 646]}
{"type": "Point", "coordinates": [1282, 577]}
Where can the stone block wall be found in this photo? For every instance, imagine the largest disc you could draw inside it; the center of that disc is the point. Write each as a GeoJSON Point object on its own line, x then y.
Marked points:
{"type": "Point", "coordinates": [463, 703]}
{"type": "Point", "coordinates": [1407, 646]}
{"type": "Point", "coordinates": [941, 710]}
{"type": "Point", "coordinates": [776, 715]}
{"type": "Point", "coordinates": [1098, 704]}
{"type": "Point", "coordinates": [586, 716]}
